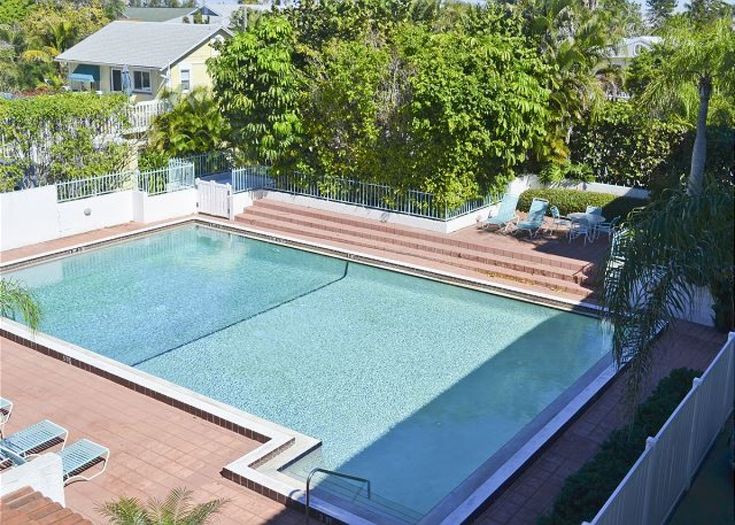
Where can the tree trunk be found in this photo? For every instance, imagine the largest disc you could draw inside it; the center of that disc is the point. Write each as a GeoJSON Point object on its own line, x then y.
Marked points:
{"type": "Point", "coordinates": [699, 152]}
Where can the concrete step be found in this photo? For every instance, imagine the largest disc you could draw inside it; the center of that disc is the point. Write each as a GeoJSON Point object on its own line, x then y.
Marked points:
{"type": "Point", "coordinates": [422, 245]}
{"type": "Point", "coordinates": [533, 276]}
{"type": "Point", "coordinates": [285, 209]}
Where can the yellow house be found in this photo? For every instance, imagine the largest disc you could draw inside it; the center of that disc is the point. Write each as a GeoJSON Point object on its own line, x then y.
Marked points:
{"type": "Point", "coordinates": [143, 58]}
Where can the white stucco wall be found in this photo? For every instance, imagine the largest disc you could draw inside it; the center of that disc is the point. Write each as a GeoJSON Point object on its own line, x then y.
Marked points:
{"type": "Point", "coordinates": [43, 474]}
{"type": "Point", "coordinates": [95, 212]}
{"type": "Point", "coordinates": [27, 217]}
{"type": "Point", "coordinates": [370, 213]}
{"type": "Point", "coordinates": [151, 208]}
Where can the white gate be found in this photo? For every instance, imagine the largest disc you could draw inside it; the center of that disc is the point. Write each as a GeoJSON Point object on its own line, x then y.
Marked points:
{"type": "Point", "coordinates": [214, 198]}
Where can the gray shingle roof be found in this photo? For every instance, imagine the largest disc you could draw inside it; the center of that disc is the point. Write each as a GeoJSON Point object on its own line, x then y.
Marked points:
{"type": "Point", "coordinates": [142, 44]}
{"type": "Point", "coordinates": [155, 14]}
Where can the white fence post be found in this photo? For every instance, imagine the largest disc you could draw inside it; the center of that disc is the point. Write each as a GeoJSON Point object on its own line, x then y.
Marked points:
{"type": "Point", "coordinates": [650, 450]}
{"type": "Point", "coordinates": [693, 427]}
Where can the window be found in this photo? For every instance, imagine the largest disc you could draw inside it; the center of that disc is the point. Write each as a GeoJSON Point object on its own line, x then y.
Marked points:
{"type": "Point", "coordinates": [185, 79]}
{"type": "Point", "coordinates": [116, 80]}
{"type": "Point", "coordinates": [142, 81]}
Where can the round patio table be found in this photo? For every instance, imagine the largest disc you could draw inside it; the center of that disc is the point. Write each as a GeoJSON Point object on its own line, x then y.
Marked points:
{"type": "Point", "coordinates": [591, 218]}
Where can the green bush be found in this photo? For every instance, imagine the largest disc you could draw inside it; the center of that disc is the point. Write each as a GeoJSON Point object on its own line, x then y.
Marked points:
{"type": "Point", "coordinates": [586, 491]}
{"type": "Point", "coordinates": [570, 201]}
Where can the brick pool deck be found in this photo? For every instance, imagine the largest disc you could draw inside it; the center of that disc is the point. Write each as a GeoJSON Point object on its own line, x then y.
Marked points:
{"type": "Point", "coordinates": [156, 447]}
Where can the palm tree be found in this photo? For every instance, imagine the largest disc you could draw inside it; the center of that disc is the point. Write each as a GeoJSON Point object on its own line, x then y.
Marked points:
{"type": "Point", "coordinates": [195, 125]}
{"type": "Point", "coordinates": [667, 253]}
{"type": "Point", "coordinates": [176, 509]}
{"type": "Point", "coordinates": [700, 56]}
{"type": "Point", "coordinates": [573, 40]}
{"type": "Point", "coordinates": [15, 298]}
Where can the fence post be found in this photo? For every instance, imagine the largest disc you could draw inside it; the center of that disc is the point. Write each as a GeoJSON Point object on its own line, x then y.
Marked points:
{"type": "Point", "coordinates": [650, 444]}
{"type": "Point", "coordinates": [692, 431]}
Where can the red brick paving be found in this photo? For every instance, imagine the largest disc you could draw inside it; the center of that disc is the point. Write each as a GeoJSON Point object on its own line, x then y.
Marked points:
{"type": "Point", "coordinates": [154, 447]}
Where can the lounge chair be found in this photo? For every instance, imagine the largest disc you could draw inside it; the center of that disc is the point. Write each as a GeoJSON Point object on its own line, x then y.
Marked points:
{"type": "Point", "coordinates": [37, 437]}
{"type": "Point", "coordinates": [6, 408]}
{"type": "Point", "coordinates": [80, 456]}
{"type": "Point", "coordinates": [535, 219]}
{"type": "Point", "coordinates": [506, 213]}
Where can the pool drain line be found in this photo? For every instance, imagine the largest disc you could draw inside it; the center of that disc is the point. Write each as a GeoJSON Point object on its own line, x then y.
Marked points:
{"type": "Point", "coordinates": [248, 318]}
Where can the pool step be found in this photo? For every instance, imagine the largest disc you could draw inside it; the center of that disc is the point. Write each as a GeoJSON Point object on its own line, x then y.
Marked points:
{"type": "Point", "coordinates": [389, 241]}
{"type": "Point", "coordinates": [301, 213]}
{"type": "Point", "coordinates": [415, 245]}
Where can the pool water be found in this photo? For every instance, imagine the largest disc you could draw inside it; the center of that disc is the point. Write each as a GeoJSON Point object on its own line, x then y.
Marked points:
{"type": "Point", "coordinates": [408, 382]}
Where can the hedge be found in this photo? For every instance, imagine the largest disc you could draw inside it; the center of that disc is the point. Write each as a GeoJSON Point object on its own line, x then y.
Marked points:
{"type": "Point", "coordinates": [586, 491]}
{"type": "Point", "coordinates": [570, 201]}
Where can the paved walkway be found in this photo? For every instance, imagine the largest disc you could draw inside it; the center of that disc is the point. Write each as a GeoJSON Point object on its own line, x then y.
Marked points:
{"type": "Point", "coordinates": [154, 447]}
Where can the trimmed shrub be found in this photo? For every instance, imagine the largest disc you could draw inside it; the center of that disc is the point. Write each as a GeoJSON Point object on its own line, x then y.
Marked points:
{"type": "Point", "coordinates": [570, 201]}
{"type": "Point", "coordinates": [586, 491]}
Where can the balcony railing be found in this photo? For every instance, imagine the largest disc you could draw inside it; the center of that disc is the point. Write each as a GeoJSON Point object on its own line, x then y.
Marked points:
{"type": "Point", "coordinates": [142, 114]}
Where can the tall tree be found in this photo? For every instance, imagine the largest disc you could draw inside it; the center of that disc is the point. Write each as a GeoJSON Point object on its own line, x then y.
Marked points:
{"type": "Point", "coordinates": [703, 56]}
{"type": "Point", "coordinates": [659, 12]}
{"type": "Point", "coordinates": [707, 11]}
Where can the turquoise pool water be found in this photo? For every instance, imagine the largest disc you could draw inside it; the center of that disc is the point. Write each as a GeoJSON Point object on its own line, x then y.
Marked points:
{"type": "Point", "coordinates": [410, 383]}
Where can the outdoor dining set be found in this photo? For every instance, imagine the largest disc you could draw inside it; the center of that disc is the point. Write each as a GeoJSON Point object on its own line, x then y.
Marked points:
{"type": "Point", "coordinates": [589, 224]}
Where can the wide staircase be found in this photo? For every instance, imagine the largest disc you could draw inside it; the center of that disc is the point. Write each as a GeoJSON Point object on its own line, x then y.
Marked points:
{"type": "Point", "coordinates": [493, 255]}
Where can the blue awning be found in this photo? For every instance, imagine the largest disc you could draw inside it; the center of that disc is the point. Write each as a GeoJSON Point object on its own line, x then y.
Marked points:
{"type": "Point", "coordinates": [86, 73]}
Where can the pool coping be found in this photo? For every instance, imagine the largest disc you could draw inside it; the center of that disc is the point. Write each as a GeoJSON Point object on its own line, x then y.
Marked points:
{"type": "Point", "coordinates": [281, 446]}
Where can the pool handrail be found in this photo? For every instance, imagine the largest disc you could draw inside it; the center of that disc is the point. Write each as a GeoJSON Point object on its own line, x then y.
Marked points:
{"type": "Point", "coordinates": [332, 473]}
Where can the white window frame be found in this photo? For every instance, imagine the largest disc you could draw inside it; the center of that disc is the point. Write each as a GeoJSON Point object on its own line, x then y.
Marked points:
{"type": "Point", "coordinates": [136, 89]}
{"type": "Point", "coordinates": [188, 69]}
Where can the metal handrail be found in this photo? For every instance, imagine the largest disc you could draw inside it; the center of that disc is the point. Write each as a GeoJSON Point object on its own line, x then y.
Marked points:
{"type": "Point", "coordinates": [332, 473]}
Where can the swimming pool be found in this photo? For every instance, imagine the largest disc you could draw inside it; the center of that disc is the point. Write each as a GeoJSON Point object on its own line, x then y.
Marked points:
{"type": "Point", "coordinates": [408, 382]}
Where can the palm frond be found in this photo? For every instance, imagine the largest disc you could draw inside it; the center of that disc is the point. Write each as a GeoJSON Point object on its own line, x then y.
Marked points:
{"type": "Point", "coordinates": [16, 299]}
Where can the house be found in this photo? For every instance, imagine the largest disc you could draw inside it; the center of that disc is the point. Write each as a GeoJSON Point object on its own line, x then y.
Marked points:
{"type": "Point", "coordinates": [155, 14]}
{"type": "Point", "coordinates": [218, 13]}
{"type": "Point", "coordinates": [627, 49]}
{"type": "Point", "coordinates": [143, 58]}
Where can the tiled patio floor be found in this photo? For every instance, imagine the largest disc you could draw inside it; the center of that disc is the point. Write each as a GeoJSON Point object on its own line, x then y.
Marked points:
{"type": "Point", "coordinates": [154, 447]}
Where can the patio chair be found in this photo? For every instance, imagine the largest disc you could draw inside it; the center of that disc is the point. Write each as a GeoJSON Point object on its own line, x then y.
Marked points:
{"type": "Point", "coordinates": [506, 213]}
{"type": "Point", "coordinates": [6, 408]}
{"type": "Point", "coordinates": [558, 220]}
{"type": "Point", "coordinates": [581, 228]}
{"type": "Point", "coordinates": [79, 457]}
{"type": "Point", "coordinates": [535, 219]}
{"type": "Point", "coordinates": [40, 436]}
{"type": "Point", "coordinates": [606, 227]}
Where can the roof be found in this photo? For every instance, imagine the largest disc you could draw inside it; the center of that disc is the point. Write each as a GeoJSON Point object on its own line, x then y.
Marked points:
{"type": "Point", "coordinates": [142, 44]}
{"type": "Point", "coordinates": [630, 47]}
{"type": "Point", "coordinates": [28, 507]}
{"type": "Point", "coordinates": [218, 13]}
{"type": "Point", "coordinates": [154, 14]}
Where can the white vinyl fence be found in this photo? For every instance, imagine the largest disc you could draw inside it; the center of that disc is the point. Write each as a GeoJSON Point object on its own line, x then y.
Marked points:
{"type": "Point", "coordinates": [652, 487]}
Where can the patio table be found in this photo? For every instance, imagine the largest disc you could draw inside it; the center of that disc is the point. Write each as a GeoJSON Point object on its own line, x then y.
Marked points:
{"type": "Point", "coordinates": [591, 218]}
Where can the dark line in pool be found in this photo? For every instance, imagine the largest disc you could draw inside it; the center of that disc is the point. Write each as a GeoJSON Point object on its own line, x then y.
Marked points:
{"type": "Point", "coordinates": [249, 317]}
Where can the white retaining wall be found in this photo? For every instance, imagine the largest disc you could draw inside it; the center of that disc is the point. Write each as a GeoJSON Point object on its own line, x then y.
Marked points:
{"type": "Point", "coordinates": [365, 213]}
{"type": "Point", "coordinates": [32, 216]}
{"type": "Point", "coordinates": [43, 474]}
{"type": "Point", "coordinates": [525, 182]}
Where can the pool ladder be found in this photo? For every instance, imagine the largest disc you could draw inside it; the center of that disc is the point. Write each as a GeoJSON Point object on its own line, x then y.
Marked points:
{"type": "Point", "coordinates": [331, 473]}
